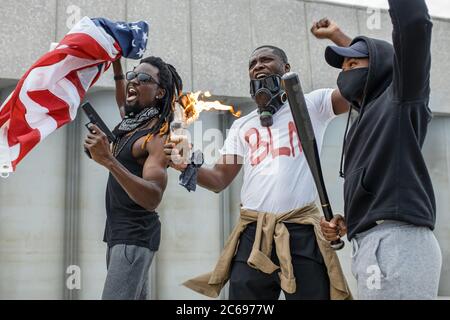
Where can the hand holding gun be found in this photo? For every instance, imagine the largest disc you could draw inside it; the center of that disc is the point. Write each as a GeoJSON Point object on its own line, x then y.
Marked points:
{"type": "Point", "coordinates": [94, 118]}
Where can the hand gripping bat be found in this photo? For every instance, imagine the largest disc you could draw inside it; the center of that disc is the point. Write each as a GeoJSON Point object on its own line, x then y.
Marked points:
{"type": "Point", "coordinates": [305, 132]}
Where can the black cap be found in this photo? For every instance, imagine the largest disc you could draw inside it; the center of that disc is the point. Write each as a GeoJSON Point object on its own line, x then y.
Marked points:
{"type": "Point", "coordinates": [335, 55]}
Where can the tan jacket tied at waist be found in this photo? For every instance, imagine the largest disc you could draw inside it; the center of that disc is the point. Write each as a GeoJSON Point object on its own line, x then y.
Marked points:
{"type": "Point", "coordinates": [270, 228]}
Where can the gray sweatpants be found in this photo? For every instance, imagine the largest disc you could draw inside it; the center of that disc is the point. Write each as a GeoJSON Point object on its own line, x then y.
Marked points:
{"type": "Point", "coordinates": [396, 261]}
{"type": "Point", "coordinates": [128, 268]}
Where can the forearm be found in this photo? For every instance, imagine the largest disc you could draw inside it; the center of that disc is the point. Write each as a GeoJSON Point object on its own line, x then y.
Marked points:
{"type": "Point", "coordinates": [147, 194]}
{"type": "Point", "coordinates": [120, 85]}
{"type": "Point", "coordinates": [405, 13]}
{"type": "Point", "coordinates": [411, 27]}
{"type": "Point", "coordinates": [341, 39]}
{"type": "Point", "coordinates": [211, 179]}
{"type": "Point", "coordinates": [411, 23]}
{"type": "Point", "coordinates": [411, 37]}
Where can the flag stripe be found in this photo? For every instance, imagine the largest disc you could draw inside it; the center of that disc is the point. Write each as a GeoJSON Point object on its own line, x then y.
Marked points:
{"type": "Point", "coordinates": [49, 94]}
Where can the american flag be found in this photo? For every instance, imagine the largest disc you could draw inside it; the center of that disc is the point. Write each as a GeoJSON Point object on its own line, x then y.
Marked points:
{"type": "Point", "coordinates": [49, 94]}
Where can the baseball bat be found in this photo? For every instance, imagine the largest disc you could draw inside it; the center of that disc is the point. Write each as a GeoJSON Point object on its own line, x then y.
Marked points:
{"type": "Point", "coordinates": [297, 103]}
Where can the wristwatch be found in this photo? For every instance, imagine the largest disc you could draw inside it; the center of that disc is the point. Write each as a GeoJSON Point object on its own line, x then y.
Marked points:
{"type": "Point", "coordinates": [119, 77]}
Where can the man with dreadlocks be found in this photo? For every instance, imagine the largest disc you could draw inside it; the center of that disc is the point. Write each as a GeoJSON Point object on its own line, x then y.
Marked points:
{"type": "Point", "coordinates": [138, 176]}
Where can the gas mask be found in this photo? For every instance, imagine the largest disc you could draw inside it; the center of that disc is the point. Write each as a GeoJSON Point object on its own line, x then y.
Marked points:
{"type": "Point", "coordinates": [269, 96]}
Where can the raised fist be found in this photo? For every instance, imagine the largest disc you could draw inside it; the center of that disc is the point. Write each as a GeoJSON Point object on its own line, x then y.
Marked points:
{"type": "Point", "coordinates": [324, 29]}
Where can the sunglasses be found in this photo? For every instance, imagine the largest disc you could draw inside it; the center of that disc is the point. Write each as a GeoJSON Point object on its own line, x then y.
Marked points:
{"type": "Point", "coordinates": [142, 77]}
{"type": "Point", "coordinates": [272, 83]}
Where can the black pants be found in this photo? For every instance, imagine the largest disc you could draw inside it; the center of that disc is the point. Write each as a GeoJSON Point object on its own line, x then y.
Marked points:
{"type": "Point", "coordinates": [310, 271]}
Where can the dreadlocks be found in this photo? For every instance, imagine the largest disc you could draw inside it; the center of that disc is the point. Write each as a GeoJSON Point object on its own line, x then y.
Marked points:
{"type": "Point", "coordinates": [171, 81]}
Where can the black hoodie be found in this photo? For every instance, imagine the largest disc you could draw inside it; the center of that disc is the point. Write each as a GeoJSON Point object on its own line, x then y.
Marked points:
{"type": "Point", "coordinates": [385, 173]}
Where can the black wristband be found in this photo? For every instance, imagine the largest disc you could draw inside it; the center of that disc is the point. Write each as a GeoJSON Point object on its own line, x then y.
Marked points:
{"type": "Point", "coordinates": [188, 177]}
{"type": "Point", "coordinates": [119, 77]}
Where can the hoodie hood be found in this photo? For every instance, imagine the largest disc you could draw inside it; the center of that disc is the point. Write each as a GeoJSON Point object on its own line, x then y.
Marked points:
{"type": "Point", "coordinates": [379, 78]}
{"type": "Point", "coordinates": [381, 55]}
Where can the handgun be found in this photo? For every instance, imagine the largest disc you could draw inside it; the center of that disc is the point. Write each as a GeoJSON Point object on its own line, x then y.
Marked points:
{"type": "Point", "coordinates": [94, 118]}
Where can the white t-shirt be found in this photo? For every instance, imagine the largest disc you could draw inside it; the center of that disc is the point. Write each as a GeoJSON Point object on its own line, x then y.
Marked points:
{"type": "Point", "coordinates": [277, 177]}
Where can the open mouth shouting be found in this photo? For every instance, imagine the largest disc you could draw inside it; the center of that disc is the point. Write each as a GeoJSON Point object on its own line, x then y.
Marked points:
{"type": "Point", "coordinates": [132, 94]}
{"type": "Point", "coordinates": [261, 75]}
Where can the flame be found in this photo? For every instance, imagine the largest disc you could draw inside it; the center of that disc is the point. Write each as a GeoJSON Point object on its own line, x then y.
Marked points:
{"type": "Point", "coordinates": [192, 106]}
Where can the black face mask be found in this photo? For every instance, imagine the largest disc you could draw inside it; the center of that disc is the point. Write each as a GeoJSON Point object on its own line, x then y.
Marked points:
{"type": "Point", "coordinates": [352, 83]}
{"type": "Point", "coordinates": [269, 97]}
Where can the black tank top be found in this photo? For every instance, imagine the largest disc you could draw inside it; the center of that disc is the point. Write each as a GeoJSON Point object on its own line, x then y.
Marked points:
{"type": "Point", "coordinates": [126, 221]}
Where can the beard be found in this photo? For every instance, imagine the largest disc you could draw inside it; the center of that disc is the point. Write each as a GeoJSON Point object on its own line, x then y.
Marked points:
{"type": "Point", "coordinates": [133, 109]}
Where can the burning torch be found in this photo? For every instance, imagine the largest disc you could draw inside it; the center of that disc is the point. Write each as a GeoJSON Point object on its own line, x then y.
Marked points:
{"type": "Point", "coordinates": [186, 112]}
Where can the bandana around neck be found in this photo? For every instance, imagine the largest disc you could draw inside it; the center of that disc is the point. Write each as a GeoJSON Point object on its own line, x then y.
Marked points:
{"type": "Point", "coordinates": [129, 123]}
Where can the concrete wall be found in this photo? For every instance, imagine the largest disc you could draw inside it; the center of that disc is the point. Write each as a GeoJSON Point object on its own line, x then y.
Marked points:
{"type": "Point", "coordinates": [32, 224]}
{"type": "Point", "coordinates": [209, 42]}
